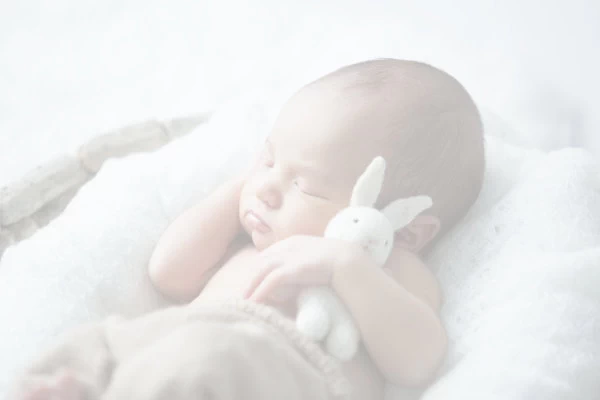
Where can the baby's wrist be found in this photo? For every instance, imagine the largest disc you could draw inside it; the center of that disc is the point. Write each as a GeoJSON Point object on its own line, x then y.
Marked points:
{"type": "Point", "coordinates": [349, 257]}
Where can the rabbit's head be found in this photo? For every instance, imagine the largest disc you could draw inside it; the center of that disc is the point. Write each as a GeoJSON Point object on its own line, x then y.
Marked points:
{"type": "Point", "coordinates": [365, 225]}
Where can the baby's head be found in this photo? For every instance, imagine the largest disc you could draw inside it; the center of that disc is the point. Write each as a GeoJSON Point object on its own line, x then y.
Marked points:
{"type": "Point", "coordinates": [420, 119]}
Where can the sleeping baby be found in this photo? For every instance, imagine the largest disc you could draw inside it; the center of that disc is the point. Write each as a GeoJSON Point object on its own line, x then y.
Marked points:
{"type": "Point", "coordinates": [237, 260]}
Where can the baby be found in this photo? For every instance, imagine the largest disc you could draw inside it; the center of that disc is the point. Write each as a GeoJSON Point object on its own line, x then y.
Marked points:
{"type": "Point", "coordinates": [259, 238]}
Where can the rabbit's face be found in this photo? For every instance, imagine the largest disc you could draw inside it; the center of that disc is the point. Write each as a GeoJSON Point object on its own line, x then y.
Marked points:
{"type": "Point", "coordinates": [365, 226]}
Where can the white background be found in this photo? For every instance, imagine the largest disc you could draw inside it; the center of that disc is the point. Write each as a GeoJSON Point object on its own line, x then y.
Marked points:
{"type": "Point", "coordinates": [72, 69]}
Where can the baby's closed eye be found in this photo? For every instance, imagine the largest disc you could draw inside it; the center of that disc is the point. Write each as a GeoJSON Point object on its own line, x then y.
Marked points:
{"type": "Point", "coordinates": [309, 189]}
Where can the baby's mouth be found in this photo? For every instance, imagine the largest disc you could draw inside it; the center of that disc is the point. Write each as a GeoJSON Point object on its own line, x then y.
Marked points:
{"type": "Point", "coordinates": [256, 223]}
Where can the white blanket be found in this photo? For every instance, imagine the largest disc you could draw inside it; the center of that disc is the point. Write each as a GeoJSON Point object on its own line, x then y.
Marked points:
{"type": "Point", "coordinates": [520, 275]}
{"type": "Point", "coordinates": [521, 278]}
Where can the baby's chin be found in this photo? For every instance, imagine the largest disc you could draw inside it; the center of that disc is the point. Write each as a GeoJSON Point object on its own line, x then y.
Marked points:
{"type": "Point", "coordinates": [262, 240]}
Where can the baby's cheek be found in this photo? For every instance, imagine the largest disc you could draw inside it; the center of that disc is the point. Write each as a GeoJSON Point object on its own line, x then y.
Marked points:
{"type": "Point", "coordinates": [313, 223]}
{"type": "Point", "coordinates": [250, 188]}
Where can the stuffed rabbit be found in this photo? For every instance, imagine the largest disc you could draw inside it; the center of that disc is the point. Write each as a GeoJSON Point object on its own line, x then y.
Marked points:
{"type": "Point", "coordinates": [321, 315]}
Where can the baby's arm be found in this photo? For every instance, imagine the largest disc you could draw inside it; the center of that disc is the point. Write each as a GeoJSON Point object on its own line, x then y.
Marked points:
{"type": "Point", "coordinates": [195, 243]}
{"type": "Point", "coordinates": [397, 314]}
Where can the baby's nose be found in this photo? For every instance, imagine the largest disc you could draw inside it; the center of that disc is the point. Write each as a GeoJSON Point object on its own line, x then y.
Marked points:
{"type": "Point", "coordinates": [269, 195]}
{"type": "Point", "coordinates": [271, 199]}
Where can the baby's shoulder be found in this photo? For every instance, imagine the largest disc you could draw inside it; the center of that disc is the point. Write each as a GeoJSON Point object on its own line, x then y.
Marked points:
{"type": "Point", "coordinates": [414, 275]}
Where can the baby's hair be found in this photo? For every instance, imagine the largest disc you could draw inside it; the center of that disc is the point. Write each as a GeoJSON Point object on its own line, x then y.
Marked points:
{"type": "Point", "coordinates": [433, 140]}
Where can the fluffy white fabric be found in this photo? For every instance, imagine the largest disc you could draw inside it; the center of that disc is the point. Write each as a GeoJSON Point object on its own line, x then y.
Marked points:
{"type": "Point", "coordinates": [520, 277]}
{"type": "Point", "coordinates": [520, 274]}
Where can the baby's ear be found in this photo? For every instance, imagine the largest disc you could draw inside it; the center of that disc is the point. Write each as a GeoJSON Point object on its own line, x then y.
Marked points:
{"type": "Point", "coordinates": [401, 212]}
{"type": "Point", "coordinates": [418, 234]}
{"type": "Point", "coordinates": [367, 187]}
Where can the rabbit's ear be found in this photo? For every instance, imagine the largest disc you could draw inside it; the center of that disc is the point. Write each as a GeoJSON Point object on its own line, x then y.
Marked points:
{"type": "Point", "coordinates": [367, 187]}
{"type": "Point", "coordinates": [401, 212]}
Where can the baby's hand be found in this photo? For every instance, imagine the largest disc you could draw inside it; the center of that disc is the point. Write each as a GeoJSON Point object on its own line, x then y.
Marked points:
{"type": "Point", "coordinates": [62, 385]}
{"type": "Point", "coordinates": [296, 262]}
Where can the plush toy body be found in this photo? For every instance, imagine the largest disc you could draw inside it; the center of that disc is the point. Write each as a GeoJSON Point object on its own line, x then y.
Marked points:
{"type": "Point", "coordinates": [321, 315]}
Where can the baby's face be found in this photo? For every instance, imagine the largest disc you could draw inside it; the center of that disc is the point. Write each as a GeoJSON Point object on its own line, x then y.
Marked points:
{"type": "Point", "coordinates": [306, 170]}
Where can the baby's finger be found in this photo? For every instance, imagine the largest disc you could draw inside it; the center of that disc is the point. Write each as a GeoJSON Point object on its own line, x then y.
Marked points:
{"type": "Point", "coordinates": [284, 294]}
{"type": "Point", "coordinates": [268, 285]}
{"type": "Point", "coordinates": [258, 279]}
